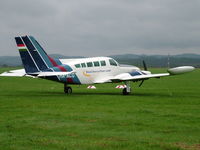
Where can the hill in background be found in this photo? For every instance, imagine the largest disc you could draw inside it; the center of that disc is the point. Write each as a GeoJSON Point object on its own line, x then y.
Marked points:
{"type": "Point", "coordinates": [159, 60]}
{"type": "Point", "coordinates": [131, 59]}
{"type": "Point", "coordinates": [13, 61]}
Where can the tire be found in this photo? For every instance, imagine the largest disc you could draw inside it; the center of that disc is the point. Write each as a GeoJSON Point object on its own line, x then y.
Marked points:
{"type": "Point", "coordinates": [68, 90]}
{"type": "Point", "coordinates": [124, 92]}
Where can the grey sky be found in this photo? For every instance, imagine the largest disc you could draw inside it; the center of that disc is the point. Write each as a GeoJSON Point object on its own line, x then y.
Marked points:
{"type": "Point", "coordinates": [102, 27]}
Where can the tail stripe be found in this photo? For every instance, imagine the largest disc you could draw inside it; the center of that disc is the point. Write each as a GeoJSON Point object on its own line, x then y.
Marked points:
{"type": "Point", "coordinates": [19, 41]}
{"type": "Point", "coordinates": [38, 52]}
{"type": "Point", "coordinates": [50, 62]}
{"type": "Point", "coordinates": [56, 65]}
{"type": "Point", "coordinates": [20, 45]}
{"type": "Point", "coordinates": [27, 59]}
{"type": "Point", "coordinates": [33, 52]}
{"type": "Point", "coordinates": [41, 52]}
{"type": "Point", "coordinates": [31, 57]}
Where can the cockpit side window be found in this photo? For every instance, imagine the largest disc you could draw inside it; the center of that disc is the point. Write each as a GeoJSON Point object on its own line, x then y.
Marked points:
{"type": "Point", "coordinates": [103, 63]}
{"type": "Point", "coordinates": [112, 62]}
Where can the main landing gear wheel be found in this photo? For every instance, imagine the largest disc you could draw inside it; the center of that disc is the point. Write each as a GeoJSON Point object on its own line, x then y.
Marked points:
{"type": "Point", "coordinates": [67, 89]}
{"type": "Point", "coordinates": [127, 90]}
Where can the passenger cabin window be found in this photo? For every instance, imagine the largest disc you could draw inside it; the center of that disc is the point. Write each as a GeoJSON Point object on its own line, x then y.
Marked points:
{"type": "Point", "coordinates": [83, 65]}
{"type": "Point", "coordinates": [103, 63]}
{"type": "Point", "coordinates": [78, 66]}
{"type": "Point", "coordinates": [89, 64]}
{"type": "Point", "coordinates": [96, 64]}
{"type": "Point", "coordinates": [112, 62]}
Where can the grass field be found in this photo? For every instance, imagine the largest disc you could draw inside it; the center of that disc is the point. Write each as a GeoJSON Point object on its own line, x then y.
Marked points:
{"type": "Point", "coordinates": [164, 114]}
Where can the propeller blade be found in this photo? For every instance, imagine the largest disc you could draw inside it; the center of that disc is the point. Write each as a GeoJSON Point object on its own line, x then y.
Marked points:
{"type": "Point", "coordinates": [141, 83]}
{"type": "Point", "coordinates": [145, 66]}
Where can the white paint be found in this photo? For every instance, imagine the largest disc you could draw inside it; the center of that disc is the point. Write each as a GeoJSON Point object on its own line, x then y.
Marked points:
{"type": "Point", "coordinates": [120, 86]}
{"type": "Point", "coordinates": [91, 87]}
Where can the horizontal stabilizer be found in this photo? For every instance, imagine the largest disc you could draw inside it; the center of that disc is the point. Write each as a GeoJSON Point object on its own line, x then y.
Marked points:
{"type": "Point", "coordinates": [21, 73]}
{"type": "Point", "coordinates": [14, 73]}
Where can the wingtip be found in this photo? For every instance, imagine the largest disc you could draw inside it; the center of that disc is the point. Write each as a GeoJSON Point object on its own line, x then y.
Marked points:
{"type": "Point", "coordinates": [180, 70]}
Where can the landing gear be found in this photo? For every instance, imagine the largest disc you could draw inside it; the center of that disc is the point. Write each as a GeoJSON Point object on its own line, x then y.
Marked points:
{"type": "Point", "coordinates": [127, 90]}
{"type": "Point", "coordinates": [67, 89]}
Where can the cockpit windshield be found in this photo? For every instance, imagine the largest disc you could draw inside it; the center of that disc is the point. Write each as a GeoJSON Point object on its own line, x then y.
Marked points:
{"type": "Point", "coordinates": [113, 62]}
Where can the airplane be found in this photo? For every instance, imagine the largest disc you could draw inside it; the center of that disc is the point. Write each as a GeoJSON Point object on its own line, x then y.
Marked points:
{"type": "Point", "coordinates": [95, 70]}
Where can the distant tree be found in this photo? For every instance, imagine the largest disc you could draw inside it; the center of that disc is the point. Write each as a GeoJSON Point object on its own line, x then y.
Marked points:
{"type": "Point", "coordinates": [4, 65]}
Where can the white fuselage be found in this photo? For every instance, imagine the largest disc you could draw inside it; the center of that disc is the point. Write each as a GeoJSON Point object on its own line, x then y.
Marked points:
{"type": "Point", "coordinates": [97, 69]}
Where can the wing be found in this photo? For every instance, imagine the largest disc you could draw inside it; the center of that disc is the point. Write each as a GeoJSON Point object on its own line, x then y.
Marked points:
{"type": "Point", "coordinates": [129, 77]}
{"type": "Point", "coordinates": [144, 75]}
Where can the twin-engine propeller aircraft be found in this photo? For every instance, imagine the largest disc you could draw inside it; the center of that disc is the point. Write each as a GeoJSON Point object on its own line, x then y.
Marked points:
{"type": "Point", "coordinates": [93, 70]}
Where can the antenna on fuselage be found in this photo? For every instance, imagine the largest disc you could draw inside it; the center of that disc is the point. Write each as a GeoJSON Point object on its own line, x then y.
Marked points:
{"type": "Point", "coordinates": [145, 69]}
{"type": "Point", "coordinates": [144, 65]}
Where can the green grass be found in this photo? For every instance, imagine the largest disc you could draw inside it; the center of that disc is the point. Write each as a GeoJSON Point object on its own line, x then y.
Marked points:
{"type": "Point", "coordinates": [164, 114]}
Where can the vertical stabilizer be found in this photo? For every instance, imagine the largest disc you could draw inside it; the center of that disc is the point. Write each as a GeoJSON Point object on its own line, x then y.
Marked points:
{"type": "Point", "coordinates": [33, 56]}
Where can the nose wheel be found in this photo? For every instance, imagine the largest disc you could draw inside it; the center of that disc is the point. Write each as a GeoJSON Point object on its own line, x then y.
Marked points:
{"type": "Point", "coordinates": [67, 89]}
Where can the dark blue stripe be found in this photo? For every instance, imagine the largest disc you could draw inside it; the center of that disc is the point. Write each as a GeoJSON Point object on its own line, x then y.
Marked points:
{"type": "Point", "coordinates": [52, 78]}
{"type": "Point", "coordinates": [18, 40]}
{"type": "Point", "coordinates": [37, 58]}
{"type": "Point", "coordinates": [28, 63]}
{"type": "Point", "coordinates": [41, 51]}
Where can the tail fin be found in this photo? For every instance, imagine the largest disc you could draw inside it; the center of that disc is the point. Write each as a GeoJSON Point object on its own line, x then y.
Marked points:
{"type": "Point", "coordinates": [33, 56]}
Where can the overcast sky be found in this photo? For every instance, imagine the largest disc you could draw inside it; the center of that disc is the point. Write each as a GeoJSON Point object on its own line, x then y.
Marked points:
{"type": "Point", "coordinates": [102, 27]}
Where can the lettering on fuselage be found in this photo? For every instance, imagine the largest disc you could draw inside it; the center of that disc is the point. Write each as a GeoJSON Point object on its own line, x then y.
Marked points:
{"type": "Point", "coordinates": [98, 71]}
{"type": "Point", "coordinates": [88, 73]}
{"type": "Point", "coordinates": [72, 75]}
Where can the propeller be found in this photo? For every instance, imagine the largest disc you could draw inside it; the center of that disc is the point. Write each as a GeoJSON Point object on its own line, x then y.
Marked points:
{"type": "Point", "coordinates": [145, 68]}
